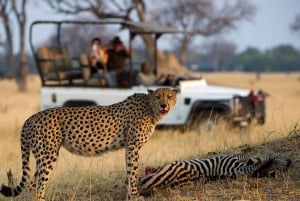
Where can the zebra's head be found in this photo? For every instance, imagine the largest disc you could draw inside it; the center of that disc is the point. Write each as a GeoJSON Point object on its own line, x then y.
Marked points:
{"type": "Point", "coordinates": [270, 165]}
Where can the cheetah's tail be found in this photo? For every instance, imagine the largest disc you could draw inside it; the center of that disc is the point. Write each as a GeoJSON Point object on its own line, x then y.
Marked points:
{"type": "Point", "coordinates": [17, 190]}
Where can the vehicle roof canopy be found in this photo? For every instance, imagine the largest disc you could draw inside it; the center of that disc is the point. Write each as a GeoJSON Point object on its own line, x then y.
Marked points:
{"type": "Point", "coordinates": [150, 28]}
{"type": "Point", "coordinates": [137, 27]}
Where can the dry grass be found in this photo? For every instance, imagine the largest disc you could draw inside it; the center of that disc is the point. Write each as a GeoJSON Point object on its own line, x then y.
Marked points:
{"type": "Point", "coordinates": [102, 178]}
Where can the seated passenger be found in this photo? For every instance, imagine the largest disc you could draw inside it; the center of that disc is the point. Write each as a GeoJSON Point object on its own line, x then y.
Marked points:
{"type": "Point", "coordinates": [98, 57]}
{"type": "Point", "coordinates": [116, 64]}
{"type": "Point", "coordinates": [117, 55]}
{"type": "Point", "coordinates": [146, 76]}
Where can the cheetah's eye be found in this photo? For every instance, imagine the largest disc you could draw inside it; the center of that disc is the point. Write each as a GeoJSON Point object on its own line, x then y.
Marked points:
{"type": "Point", "coordinates": [170, 97]}
{"type": "Point", "coordinates": [157, 97]}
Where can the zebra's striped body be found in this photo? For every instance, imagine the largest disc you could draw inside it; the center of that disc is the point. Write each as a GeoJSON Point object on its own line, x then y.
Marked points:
{"type": "Point", "coordinates": [182, 172]}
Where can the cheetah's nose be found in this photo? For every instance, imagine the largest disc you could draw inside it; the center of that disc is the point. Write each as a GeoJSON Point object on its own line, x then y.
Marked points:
{"type": "Point", "coordinates": [163, 109]}
{"type": "Point", "coordinates": [163, 105]}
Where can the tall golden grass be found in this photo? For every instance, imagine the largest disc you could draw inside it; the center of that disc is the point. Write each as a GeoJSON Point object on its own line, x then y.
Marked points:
{"type": "Point", "coordinates": [79, 178]}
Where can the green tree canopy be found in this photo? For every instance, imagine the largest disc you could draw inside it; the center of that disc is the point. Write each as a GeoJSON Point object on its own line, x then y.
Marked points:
{"type": "Point", "coordinates": [280, 58]}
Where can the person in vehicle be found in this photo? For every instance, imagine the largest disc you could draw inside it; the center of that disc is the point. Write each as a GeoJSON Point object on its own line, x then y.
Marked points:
{"type": "Point", "coordinates": [116, 64]}
{"type": "Point", "coordinates": [117, 55]}
{"type": "Point", "coordinates": [98, 57]}
{"type": "Point", "coordinates": [147, 78]}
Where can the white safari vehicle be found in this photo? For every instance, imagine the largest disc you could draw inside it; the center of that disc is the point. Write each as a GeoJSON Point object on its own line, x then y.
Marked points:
{"type": "Point", "coordinates": [198, 102]}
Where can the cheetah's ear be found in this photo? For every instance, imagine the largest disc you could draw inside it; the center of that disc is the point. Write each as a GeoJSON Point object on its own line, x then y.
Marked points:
{"type": "Point", "coordinates": [150, 91]}
{"type": "Point", "coordinates": [176, 90]}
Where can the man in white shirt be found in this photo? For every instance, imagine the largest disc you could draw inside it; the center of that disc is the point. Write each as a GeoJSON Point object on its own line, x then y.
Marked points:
{"type": "Point", "coordinates": [146, 76]}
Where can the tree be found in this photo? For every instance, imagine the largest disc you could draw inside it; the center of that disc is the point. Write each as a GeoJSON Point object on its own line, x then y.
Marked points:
{"type": "Point", "coordinates": [295, 26]}
{"type": "Point", "coordinates": [5, 10]}
{"type": "Point", "coordinates": [220, 53]}
{"type": "Point", "coordinates": [204, 17]}
{"type": "Point", "coordinates": [287, 58]}
{"type": "Point", "coordinates": [283, 58]}
{"type": "Point", "coordinates": [20, 14]}
{"type": "Point", "coordinates": [121, 9]}
{"type": "Point", "coordinates": [15, 10]}
{"type": "Point", "coordinates": [249, 60]}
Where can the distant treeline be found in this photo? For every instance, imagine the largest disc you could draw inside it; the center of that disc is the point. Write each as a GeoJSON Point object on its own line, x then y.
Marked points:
{"type": "Point", "coordinates": [283, 58]}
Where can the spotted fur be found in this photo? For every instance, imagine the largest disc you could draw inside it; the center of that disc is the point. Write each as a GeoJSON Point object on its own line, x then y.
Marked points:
{"type": "Point", "coordinates": [90, 131]}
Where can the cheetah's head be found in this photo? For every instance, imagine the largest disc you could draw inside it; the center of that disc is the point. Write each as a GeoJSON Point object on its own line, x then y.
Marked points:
{"type": "Point", "coordinates": [162, 100]}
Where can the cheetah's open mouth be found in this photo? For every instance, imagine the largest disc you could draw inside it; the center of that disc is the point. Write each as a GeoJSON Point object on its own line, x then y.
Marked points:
{"type": "Point", "coordinates": [163, 111]}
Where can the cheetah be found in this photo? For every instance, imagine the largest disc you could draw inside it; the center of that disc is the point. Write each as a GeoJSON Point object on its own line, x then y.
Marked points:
{"type": "Point", "coordinates": [90, 131]}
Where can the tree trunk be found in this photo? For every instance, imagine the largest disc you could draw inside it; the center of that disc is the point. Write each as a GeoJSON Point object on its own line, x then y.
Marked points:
{"type": "Point", "coordinates": [147, 39]}
{"type": "Point", "coordinates": [149, 44]}
{"type": "Point", "coordinates": [215, 61]}
{"type": "Point", "coordinates": [22, 71]}
{"type": "Point", "coordinates": [9, 53]}
{"type": "Point", "coordinates": [183, 50]}
{"type": "Point", "coordinates": [8, 45]}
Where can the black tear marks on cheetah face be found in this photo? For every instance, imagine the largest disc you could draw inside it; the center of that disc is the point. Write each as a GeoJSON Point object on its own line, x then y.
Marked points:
{"type": "Point", "coordinates": [90, 131]}
{"type": "Point", "coordinates": [162, 101]}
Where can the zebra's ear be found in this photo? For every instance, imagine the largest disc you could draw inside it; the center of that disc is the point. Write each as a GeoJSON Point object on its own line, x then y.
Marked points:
{"type": "Point", "coordinates": [253, 161]}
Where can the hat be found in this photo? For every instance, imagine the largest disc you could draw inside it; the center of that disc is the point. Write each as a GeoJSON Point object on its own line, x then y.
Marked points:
{"type": "Point", "coordinates": [96, 39]}
{"type": "Point", "coordinates": [116, 40]}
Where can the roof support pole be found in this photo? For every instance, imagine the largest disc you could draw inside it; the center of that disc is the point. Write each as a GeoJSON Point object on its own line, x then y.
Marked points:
{"type": "Point", "coordinates": [131, 37]}
{"type": "Point", "coordinates": [58, 34]}
{"type": "Point", "coordinates": [155, 52]}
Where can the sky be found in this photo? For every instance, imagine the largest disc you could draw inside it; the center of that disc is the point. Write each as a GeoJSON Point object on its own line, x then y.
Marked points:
{"type": "Point", "coordinates": [270, 26]}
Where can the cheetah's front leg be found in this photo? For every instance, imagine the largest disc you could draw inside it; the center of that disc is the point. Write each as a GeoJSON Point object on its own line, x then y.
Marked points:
{"type": "Point", "coordinates": [132, 157]}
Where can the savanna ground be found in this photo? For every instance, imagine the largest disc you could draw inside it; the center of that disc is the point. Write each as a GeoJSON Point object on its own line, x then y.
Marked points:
{"type": "Point", "coordinates": [102, 178]}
